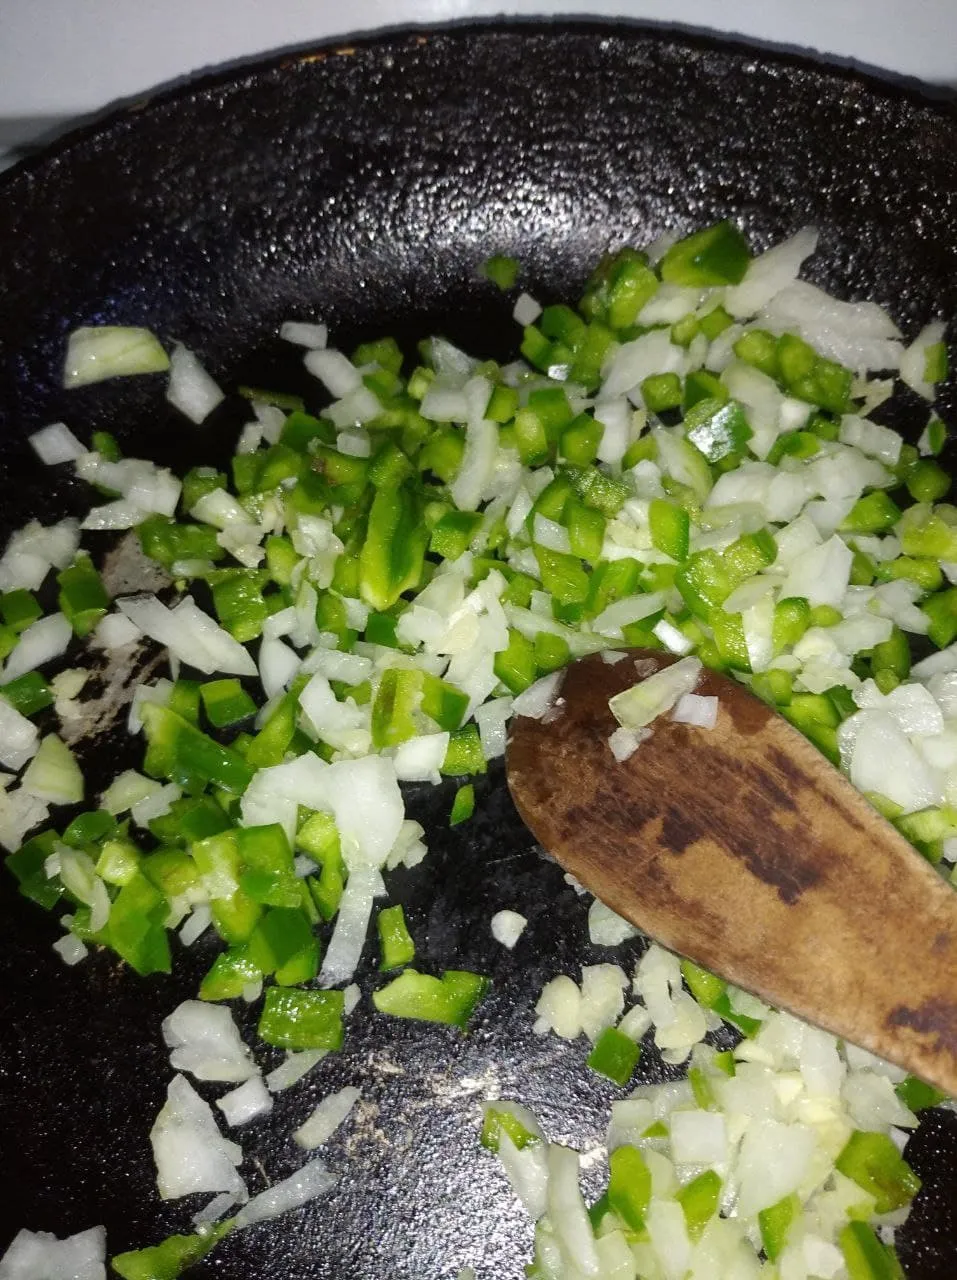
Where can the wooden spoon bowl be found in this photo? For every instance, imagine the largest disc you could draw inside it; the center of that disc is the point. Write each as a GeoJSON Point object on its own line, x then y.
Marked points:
{"type": "Point", "coordinates": [744, 849]}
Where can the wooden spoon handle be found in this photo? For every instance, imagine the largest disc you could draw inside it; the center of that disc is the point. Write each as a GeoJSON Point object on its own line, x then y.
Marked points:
{"type": "Point", "coordinates": [742, 848]}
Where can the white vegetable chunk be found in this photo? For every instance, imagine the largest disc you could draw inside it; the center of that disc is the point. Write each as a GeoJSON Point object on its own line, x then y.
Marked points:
{"type": "Point", "coordinates": [247, 1102]}
{"type": "Point", "coordinates": [191, 389]}
{"type": "Point", "coordinates": [203, 1039]}
{"type": "Point", "coordinates": [308, 1183]}
{"type": "Point", "coordinates": [643, 702]}
{"type": "Point", "coordinates": [507, 927]}
{"type": "Point", "coordinates": [326, 1118]}
{"type": "Point", "coordinates": [55, 444]}
{"type": "Point", "coordinates": [94, 353]}
{"type": "Point", "coordinates": [191, 1154]}
{"type": "Point", "coordinates": [39, 1255]}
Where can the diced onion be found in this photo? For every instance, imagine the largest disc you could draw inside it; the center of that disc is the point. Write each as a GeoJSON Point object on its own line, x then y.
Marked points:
{"type": "Point", "coordinates": [326, 1118]}
{"type": "Point", "coordinates": [308, 1183]}
{"type": "Point", "coordinates": [111, 351]}
{"type": "Point", "coordinates": [507, 927]}
{"type": "Point", "coordinates": [55, 444]}
{"type": "Point", "coordinates": [191, 389]}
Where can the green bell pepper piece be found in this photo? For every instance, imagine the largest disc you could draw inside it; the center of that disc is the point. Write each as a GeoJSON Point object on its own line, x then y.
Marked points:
{"type": "Point", "coordinates": [715, 256]}
{"type": "Point", "coordinates": [450, 999]}
{"type": "Point", "coordinates": [614, 1056]}
{"type": "Point", "coordinates": [295, 1020]}
{"type": "Point", "coordinates": [396, 943]}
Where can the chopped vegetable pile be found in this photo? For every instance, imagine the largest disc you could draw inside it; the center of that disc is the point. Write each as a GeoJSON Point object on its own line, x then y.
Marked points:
{"type": "Point", "coordinates": [692, 459]}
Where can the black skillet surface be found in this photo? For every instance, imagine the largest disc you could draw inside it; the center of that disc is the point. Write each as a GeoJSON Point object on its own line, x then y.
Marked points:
{"type": "Point", "coordinates": [364, 186]}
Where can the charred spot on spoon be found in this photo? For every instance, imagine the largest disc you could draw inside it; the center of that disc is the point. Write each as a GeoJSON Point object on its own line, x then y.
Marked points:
{"type": "Point", "coordinates": [678, 831]}
{"type": "Point", "coordinates": [937, 1018]}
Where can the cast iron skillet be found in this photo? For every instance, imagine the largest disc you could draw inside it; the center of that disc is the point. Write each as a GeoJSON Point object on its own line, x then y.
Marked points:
{"type": "Point", "coordinates": [364, 186]}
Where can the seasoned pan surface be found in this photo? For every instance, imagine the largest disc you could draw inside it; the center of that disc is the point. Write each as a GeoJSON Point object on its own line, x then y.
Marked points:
{"type": "Point", "coordinates": [364, 186]}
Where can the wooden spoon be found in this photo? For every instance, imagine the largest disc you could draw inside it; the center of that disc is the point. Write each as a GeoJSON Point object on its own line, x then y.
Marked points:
{"type": "Point", "coordinates": [744, 849]}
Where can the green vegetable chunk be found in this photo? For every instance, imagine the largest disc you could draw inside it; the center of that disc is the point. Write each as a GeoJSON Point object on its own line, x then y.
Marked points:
{"type": "Point", "coordinates": [293, 1019]}
{"type": "Point", "coordinates": [615, 1056]}
{"type": "Point", "coordinates": [718, 255]}
{"type": "Point", "coordinates": [874, 1163]}
{"type": "Point", "coordinates": [396, 943]}
{"type": "Point", "coordinates": [168, 1260]}
{"type": "Point", "coordinates": [450, 999]}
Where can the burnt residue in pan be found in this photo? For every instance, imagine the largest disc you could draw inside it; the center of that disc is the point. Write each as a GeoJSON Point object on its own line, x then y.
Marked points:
{"type": "Point", "coordinates": [364, 190]}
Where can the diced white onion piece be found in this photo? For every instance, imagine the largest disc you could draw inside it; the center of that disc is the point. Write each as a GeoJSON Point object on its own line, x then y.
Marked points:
{"type": "Point", "coordinates": [39, 1255]}
{"type": "Point", "coordinates": [191, 389]}
{"type": "Point", "coordinates": [349, 668]}
{"type": "Point", "coordinates": [621, 613]}
{"type": "Point", "coordinates": [326, 1118]}
{"type": "Point", "coordinates": [492, 719]}
{"type": "Point", "coordinates": [769, 273]}
{"type": "Point", "coordinates": [156, 805]}
{"type": "Point", "coordinates": [55, 444]}
{"type": "Point", "coordinates": [602, 1000]}
{"type": "Point", "coordinates": [115, 631]}
{"type": "Point", "coordinates": [247, 1102]}
{"type": "Point", "coordinates": [110, 351]}
{"type": "Point", "coordinates": [19, 813]}
{"type": "Point", "coordinates": [121, 514]}
{"type": "Point", "coordinates": [858, 334]}
{"type": "Point", "coordinates": [278, 666]}
{"type": "Point", "coordinates": [614, 415]}
{"type": "Point", "coordinates": [341, 960]}
{"type": "Point", "coordinates": [550, 534]}
{"type": "Point", "coordinates": [539, 698]}
{"type": "Point", "coordinates": [32, 550]}
{"type": "Point", "coordinates": [871, 438]}
{"type": "Point", "coordinates": [342, 724]}
{"type": "Point", "coordinates": [821, 574]}
{"type": "Point", "coordinates": [692, 708]}
{"type": "Point", "coordinates": [623, 743]}
{"type": "Point", "coordinates": [632, 362]}
{"type": "Point", "coordinates": [883, 760]}
{"type": "Point", "coordinates": [71, 951]}
{"type": "Point", "coordinates": [559, 1008]}
{"type": "Point", "coordinates": [507, 927]}
{"type": "Point", "coordinates": [40, 643]}
{"type": "Point", "coordinates": [914, 359]}
{"type": "Point", "coordinates": [773, 1161]}
{"type": "Point", "coordinates": [675, 641]}
{"type": "Point", "coordinates": [191, 1154]}
{"type": "Point", "coordinates": [638, 706]}
{"type": "Point", "coordinates": [567, 1212]}
{"type": "Point", "coordinates": [527, 1167]}
{"type": "Point", "coordinates": [444, 404]}
{"type": "Point", "coordinates": [53, 774]}
{"type": "Point", "coordinates": [190, 634]}
{"type": "Point", "coordinates": [668, 1232]}
{"type": "Point", "coordinates": [214, 1209]}
{"type": "Point", "coordinates": [292, 1069]}
{"type": "Point", "coordinates": [336, 371]}
{"type": "Point", "coordinates": [354, 444]}
{"type": "Point", "coordinates": [606, 928]}
{"type": "Point", "coordinates": [197, 922]}
{"type": "Point", "coordinates": [698, 1137]}
{"type": "Point", "coordinates": [526, 310]}
{"type": "Point", "coordinates": [420, 759]}
{"type": "Point", "coordinates": [127, 789]}
{"type": "Point", "coordinates": [478, 464]}
{"type": "Point", "coordinates": [204, 1040]}
{"type": "Point", "coordinates": [359, 406]}
{"type": "Point", "coordinates": [19, 737]}
{"type": "Point", "coordinates": [299, 334]}
{"type": "Point", "coordinates": [308, 1183]}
